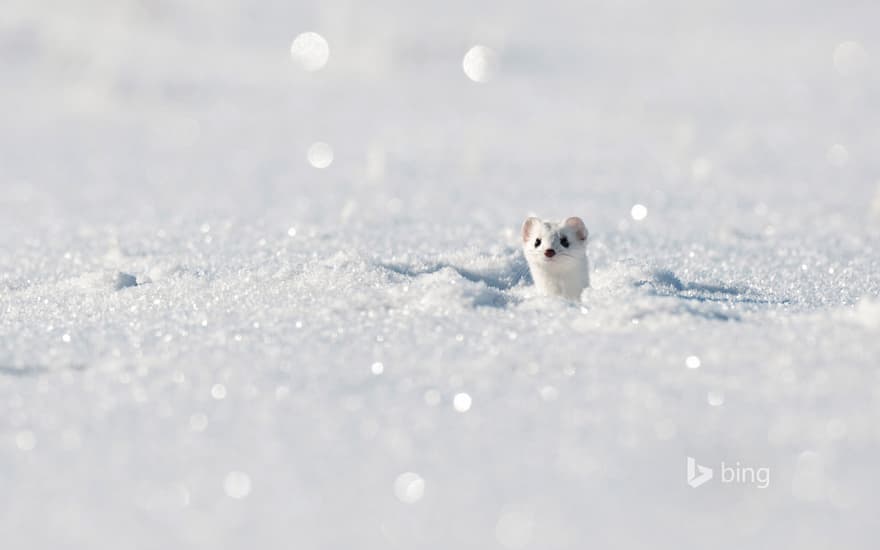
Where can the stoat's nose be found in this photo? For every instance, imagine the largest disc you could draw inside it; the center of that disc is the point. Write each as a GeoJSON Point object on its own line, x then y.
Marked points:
{"type": "Point", "coordinates": [549, 252]}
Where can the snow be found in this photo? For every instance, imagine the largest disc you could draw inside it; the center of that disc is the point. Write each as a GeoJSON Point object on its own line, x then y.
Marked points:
{"type": "Point", "coordinates": [214, 335]}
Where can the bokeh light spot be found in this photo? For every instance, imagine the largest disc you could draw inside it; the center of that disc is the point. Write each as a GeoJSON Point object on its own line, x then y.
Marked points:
{"type": "Point", "coordinates": [432, 398]}
{"type": "Point", "coordinates": [462, 402]}
{"type": "Point", "coordinates": [838, 155]}
{"type": "Point", "coordinates": [320, 155]}
{"type": "Point", "coordinates": [25, 440]}
{"type": "Point", "coordinates": [218, 391]}
{"type": "Point", "coordinates": [310, 50]}
{"type": "Point", "coordinates": [515, 527]}
{"type": "Point", "coordinates": [850, 58]}
{"type": "Point", "coordinates": [480, 63]}
{"type": "Point", "coordinates": [409, 487]}
{"type": "Point", "coordinates": [638, 212]}
{"type": "Point", "coordinates": [237, 484]}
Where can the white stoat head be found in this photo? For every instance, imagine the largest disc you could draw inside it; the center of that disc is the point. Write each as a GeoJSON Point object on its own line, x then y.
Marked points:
{"type": "Point", "coordinates": [554, 247]}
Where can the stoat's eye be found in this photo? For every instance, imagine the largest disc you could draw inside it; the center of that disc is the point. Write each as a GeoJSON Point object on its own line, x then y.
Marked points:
{"type": "Point", "coordinates": [537, 243]}
{"type": "Point", "coordinates": [564, 241]}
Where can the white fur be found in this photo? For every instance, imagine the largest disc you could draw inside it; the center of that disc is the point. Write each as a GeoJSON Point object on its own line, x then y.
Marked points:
{"type": "Point", "coordinates": [567, 273]}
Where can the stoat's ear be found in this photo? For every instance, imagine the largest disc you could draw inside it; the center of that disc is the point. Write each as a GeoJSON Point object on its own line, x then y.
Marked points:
{"type": "Point", "coordinates": [578, 225]}
{"type": "Point", "coordinates": [528, 227]}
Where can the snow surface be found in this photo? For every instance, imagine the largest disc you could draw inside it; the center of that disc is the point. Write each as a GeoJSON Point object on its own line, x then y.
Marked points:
{"type": "Point", "coordinates": [207, 342]}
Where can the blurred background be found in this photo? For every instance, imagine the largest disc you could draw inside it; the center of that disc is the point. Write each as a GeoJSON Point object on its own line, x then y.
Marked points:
{"type": "Point", "coordinates": [168, 108]}
{"type": "Point", "coordinates": [260, 280]}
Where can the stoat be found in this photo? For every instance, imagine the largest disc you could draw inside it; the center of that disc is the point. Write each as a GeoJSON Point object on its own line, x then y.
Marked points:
{"type": "Point", "coordinates": [557, 256]}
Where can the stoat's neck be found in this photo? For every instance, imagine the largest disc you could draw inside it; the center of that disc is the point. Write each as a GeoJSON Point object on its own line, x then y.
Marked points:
{"type": "Point", "coordinates": [562, 282]}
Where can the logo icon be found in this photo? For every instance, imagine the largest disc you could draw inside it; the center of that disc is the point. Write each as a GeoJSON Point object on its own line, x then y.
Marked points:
{"type": "Point", "coordinates": [696, 474]}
